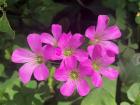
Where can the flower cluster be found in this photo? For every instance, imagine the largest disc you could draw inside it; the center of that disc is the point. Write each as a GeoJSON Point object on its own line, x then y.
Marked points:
{"type": "Point", "coordinates": [77, 63]}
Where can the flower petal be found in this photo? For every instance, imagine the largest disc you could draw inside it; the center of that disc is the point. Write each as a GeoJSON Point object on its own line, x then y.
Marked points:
{"type": "Point", "coordinates": [64, 41]}
{"type": "Point", "coordinates": [70, 63]}
{"type": "Point", "coordinates": [34, 42]}
{"type": "Point", "coordinates": [90, 32]}
{"type": "Point", "coordinates": [21, 55]}
{"type": "Point", "coordinates": [110, 73]}
{"type": "Point", "coordinates": [48, 39]}
{"type": "Point", "coordinates": [90, 50]}
{"type": "Point", "coordinates": [83, 87]}
{"type": "Point", "coordinates": [56, 31]}
{"type": "Point", "coordinates": [112, 32]}
{"type": "Point", "coordinates": [25, 72]}
{"type": "Point", "coordinates": [52, 53]}
{"type": "Point", "coordinates": [61, 74]}
{"type": "Point", "coordinates": [97, 52]}
{"type": "Point", "coordinates": [67, 88]}
{"type": "Point", "coordinates": [41, 72]}
{"type": "Point", "coordinates": [76, 40]}
{"type": "Point", "coordinates": [102, 23]}
{"type": "Point", "coordinates": [81, 55]}
{"type": "Point", "coordinates": [96, 79]}
{"type": "Point", "coordinates": [110, 47]}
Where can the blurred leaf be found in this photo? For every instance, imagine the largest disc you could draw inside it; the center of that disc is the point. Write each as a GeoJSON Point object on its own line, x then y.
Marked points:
{"type": "Point", "coordinates": [102, 96]}
{"type": "Point", "coordinates": [1, 69]}
{"type": "Point", "coordinates": [133, 92]}
{"type": "Point", "coordinates": [7, 86]}
{"type": "Point", "coordinates": [137, 101]}
{"type": "Point", "coordinates": [64, 103]}
{"type": "Point", "coordinates": [32, 84]}
{"type": "Point", "coordinates": [45, 13]}
{"type": "Point", "coordinates": [5, 26]}
{"type": "Point", "coordinates": [124, 103]}
{"type": "Point", "coordinates": [121, 18]}
{"type": "Point", "coordinates": [7, 54]}
{"type": "Point", "coordinates": [137, 18]}
{"type": "Point", "coordinates": [2, 2]}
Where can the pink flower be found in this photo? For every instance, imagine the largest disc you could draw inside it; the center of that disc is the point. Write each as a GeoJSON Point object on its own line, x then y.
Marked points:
{"type": "Point", "coordinates": [34, 61]}
{"type": "Point", "coordinates": [102, 34]}
{"type": "Point", "coordinates": [98, 66]}
{"type": "Point", "coordinates": [53, 40]}
{"type": "Point", "coordinates": [69, 46]}
{"type": "Point", "coordinates": [73, 77]}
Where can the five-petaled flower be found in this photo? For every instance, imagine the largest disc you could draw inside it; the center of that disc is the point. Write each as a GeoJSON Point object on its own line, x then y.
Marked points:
{"type": "Point", "coordinates": [102, 34]}
{"type": "Point", "coordinates": [34, 61]}
{"type": "Point", "coordinates": [73, 76]}
{"type": "Point", "coordinates": [98, 66]}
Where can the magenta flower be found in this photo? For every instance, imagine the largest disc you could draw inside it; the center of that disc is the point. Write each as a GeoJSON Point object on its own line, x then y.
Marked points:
{"type": "Point", "coordinates": [102, 34]}
{"type": "Point", "coordinates": [53, 40]}
{"type": "Point", "coordinates": [69, 46]}
{"type": "Point", "coordinates": [73, 77]}
{"type": "Point", "coordinates": [34, 61]}
{"type": "Point", "coordinates": [98, 66]}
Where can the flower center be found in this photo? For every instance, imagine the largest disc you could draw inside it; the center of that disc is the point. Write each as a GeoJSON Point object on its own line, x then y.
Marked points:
{"type": "Point", "coordinates": [95, 41]}
{"type": "Point", "coordinates": [68, 52]}
{"type": "Point", "coordinates": [74, 75]}
{"type": "Point", "coordinates": [96, 66]}
{"type": "Point", "coordinates": [39, 59]}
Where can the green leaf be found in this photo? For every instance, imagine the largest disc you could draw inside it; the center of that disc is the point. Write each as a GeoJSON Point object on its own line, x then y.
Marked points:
{"type": "Point", "coordinates": [102, 96]}
{"type": "Point", "coordinates": [2, 2]}
{"type": "Point", "coordinates": [133, 92]}
{"type": "Point", "coordinates": [137, 101]}
{"type": "Point", "coordinates": [45, 13]}
{"type": "Point", "coordinates": [120, 18]}
{"type": "Point", "coordinates": [7, 86]}
{"type": "Point", "coordinates": [5, 26]}
{"type": "Point", "coordinates": [137, 18]}
{"type": "Point", "coordinates": [1, 69]}
{"type": "Point", "coordinates": [64, 103]}
{"type": "Point", "coordinates": [32, 84]}
{"type": "Point", "coordinates": [124, 103]}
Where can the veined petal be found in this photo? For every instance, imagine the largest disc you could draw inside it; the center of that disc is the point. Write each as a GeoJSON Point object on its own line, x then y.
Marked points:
{"type": "Point", "coordinates": [96, 79]}
{"type": "Point", "coordinates": [61, 74]}
{"type": "Point", "coordinates": [111, 33]}
{"type": "Point", "coordinates": [21, 55]}
{"type": "Point", "coordinates": [97, 52]}
{"type": "Point", "coordinates": [110, 73]}
{"type": "Point", "coordinates": [90, 49]}
{"type": "Point", "coordinates": [76, 40]}
{"type": "Point", "coordinates": [64, 41]}
{"type": "Point", "coordinates": [83, 87]}
{"type": "Point", "coordinates": [56, 31]}
{"type": "Point", "coordinates": [110, 47]}
{"type": "Point", "coordinates": [41, 72]}
{"type": "Point", "coordinates": [34, 42]}
{"type": "Point", "coordinates": [102, 23]}
{"type": "Point", "coordinates": [70, 63]}
{"type": "Point", "coordinates": [52, 53]}
{"type": "Point", "coordinates": [81, 55]}
{"type": "Point", "coordinates": [67, 88]}
{"type": "Point", "coordinates": [26, 71]}
{"type": "Point", "coordinates": [48, 39]}
{"type": "Point", "coordinates": [90, 32]}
